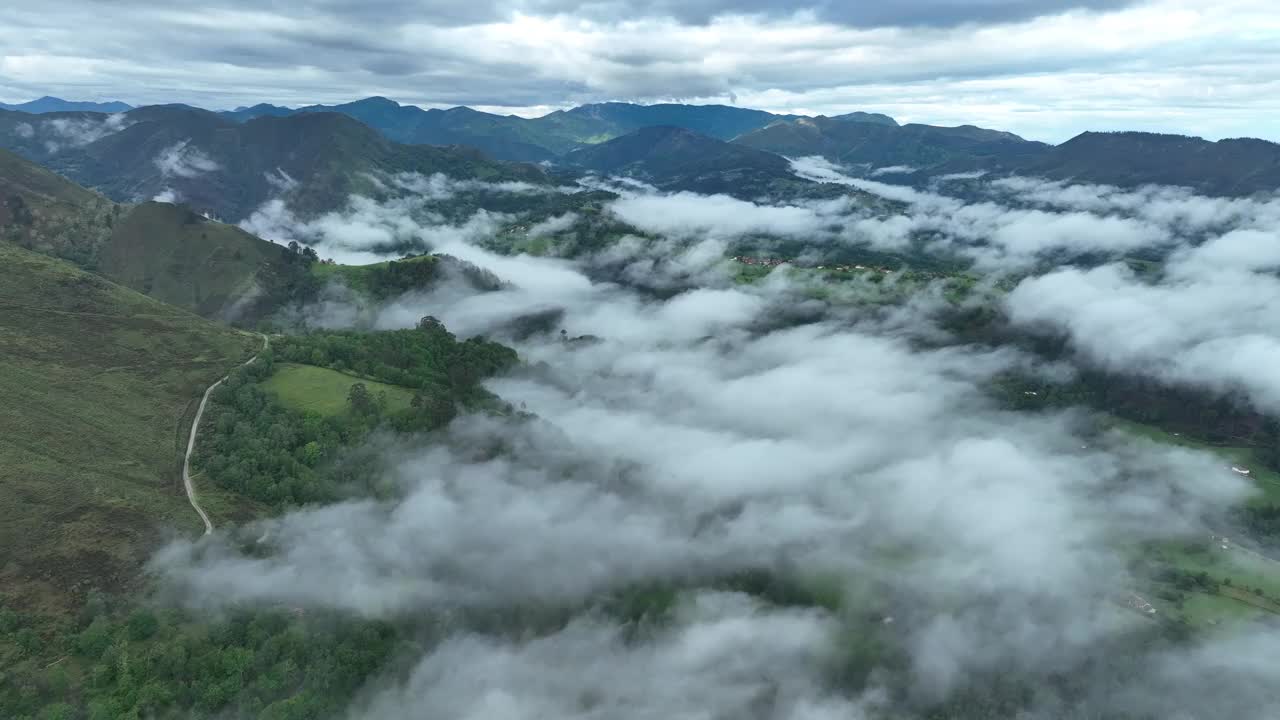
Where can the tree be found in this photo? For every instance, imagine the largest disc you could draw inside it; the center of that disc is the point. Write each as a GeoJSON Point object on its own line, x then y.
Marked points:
{"type": "Point", "coordinates": [142, 624]}
{"type": "Point", "coordinates": [359, 399]}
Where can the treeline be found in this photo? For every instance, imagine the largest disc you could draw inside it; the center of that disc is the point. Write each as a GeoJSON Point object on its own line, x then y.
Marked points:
{"type": "Point", "coordinates": [383, 281]}
{"type": "Point", "coordinates": [143, 663]}
{"type": "Point", "coordinates": [428, 359]}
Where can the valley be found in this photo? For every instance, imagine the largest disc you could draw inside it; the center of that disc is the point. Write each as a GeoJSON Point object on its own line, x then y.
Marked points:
{"type": "Point", "coordinates": [350, 410]}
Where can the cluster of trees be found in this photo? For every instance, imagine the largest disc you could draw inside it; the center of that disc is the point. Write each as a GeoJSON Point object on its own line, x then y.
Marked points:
{"type": "Point", "coordinates": [136, 663]}
{"type": "Point", "coordinates": [257, 447]}
{"type": "Point", "coordinates": [1261, 522]}
{"type": "Point", "coordinates": [428, 359]}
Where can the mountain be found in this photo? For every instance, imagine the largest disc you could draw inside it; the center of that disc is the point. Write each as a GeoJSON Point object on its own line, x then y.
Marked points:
{"type": "Point", "coordinates": [503, 137]}
{"type": "Point", "coordinates": [177, 256]}
{"type": "Point", "coordinates": [604, 121]}
{"type": "Point", "coordinates": [43, 211]}
{"type": "Point", "coordinates": [97, 379]}
{"type": "Point", "coordinates": [165, 251]}
{"type": "Point", "coordinates": [874, 118]}
{"type": "Point", "coordinates": [673, 158]}
{"type": "Point", "coordinates": [48, 104]}
{"type": "Point", "coordinates": [509, 137]}
{"type": "Point", "coordinates": [242, 114]}
{"type": "Point", "coordinates": [1226, 167]}
{"type": "Point", "coordinates": [880, 144]}
{"type": "Point", "coordinates": [229, 169]}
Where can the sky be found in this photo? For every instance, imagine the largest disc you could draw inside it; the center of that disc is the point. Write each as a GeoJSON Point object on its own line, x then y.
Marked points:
{"type": "Point", "coordinates": [1046, 69]}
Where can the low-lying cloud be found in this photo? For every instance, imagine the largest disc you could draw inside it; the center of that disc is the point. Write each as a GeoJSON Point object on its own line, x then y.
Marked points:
{"type": "Point", "coordinates": [184, 160]}
{"type": "Point", "coordinates": [60, 133]}
{"type": "Point", "coordinates": [701, 433]}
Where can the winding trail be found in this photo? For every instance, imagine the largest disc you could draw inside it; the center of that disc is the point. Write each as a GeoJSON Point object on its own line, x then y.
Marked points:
{"type": "Point", "coordinates": [191, 442]}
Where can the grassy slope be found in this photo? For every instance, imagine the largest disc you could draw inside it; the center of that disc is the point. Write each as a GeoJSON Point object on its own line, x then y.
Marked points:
{"type": "Point", "coordinates": [96, 379]}
{"type": "Point", "coordinates": [307, 388]}
{"type": "Point", "coordinates": [44, 211]}
{"type": "Point", "coordinates": [179, 257]}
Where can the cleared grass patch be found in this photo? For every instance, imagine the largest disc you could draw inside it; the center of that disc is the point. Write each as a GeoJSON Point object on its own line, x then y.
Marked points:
{"type": "Point", "coordinates": [307, 388]}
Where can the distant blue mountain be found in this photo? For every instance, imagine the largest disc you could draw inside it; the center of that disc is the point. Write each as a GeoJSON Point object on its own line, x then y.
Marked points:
{"type": "Point", "coordinates": [508, 137]}
{"type": "Point", "coordinates": [49, 104]}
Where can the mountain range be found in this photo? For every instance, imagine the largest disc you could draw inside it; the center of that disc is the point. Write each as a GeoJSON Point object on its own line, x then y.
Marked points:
{"type": "Point", "coordinates": [509, 137]}
{"type": "Point", "coordinates": [228, 163]}
{"type": "Point", "coordinates": [228, 169]}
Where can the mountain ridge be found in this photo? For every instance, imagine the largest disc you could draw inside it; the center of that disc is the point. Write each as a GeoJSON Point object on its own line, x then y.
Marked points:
{"type": "Point", "coordinates": [48, 104]}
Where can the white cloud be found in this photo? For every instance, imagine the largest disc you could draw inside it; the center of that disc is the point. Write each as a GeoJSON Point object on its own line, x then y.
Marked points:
{"type": "Point", "coordinates": [698, 437]}
{"type": "Point", "coordinates": [1172, 65]}
{"type": "Point", "coordinates": [184, 160]}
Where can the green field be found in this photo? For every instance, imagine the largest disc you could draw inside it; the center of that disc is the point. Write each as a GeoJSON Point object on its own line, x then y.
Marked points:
{"type": "Point", "coordinates": [1266, 479]}
{"type": "Point", "coordinates": [1243, 570]}
{"type": "Point", "coordinates": [96, 381]}
{"type": "Point", "coordinates": [307, 388]}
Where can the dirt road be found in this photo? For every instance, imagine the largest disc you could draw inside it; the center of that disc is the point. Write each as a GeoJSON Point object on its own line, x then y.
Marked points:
{"type": "Point", "coordinates": [191, 444]}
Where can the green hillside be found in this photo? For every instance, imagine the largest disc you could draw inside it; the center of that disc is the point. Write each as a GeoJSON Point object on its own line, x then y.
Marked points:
{"type": "Point", "coordinates": [162, 250]}
{"type": "Point", "coordinates": [45, 212]}
{"type": "Point", "coordinates": [179, 257]}
{"type": "Point", "coordinates": [97, 383]}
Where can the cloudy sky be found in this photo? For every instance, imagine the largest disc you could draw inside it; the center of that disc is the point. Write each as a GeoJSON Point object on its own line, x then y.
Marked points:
{"type": "Point", "coordinates": [1044, 68]}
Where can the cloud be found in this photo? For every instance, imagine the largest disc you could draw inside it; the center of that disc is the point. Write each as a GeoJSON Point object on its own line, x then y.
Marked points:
{"type": "Point", "coordinates": [553, 225]}
{"type": "Point", "coordinates": [709, 430]}
{"type": "Point", "coordinates": [1048, 69]}
{"type": "Point", "coordinates": [893, 170]}
{"type": "Point", "coordinates": [998, 236]}
{"type": "Point", "coordinates": [720, 215]}
{"type": "Point", "coordinates": [65, 132]}
{"type": "Point", "coordinates": [168, 195]}
{"type": "Point", "coordinates": [725, 653]}
{"type": "Point", "coordinates": [280, 181]}
{"type": "Point", "coordinates": [24, 130]}
{"type": "Point", "coordinates": [184, 160]}
{"type": "Point", "coordinates": [1209, 323]}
